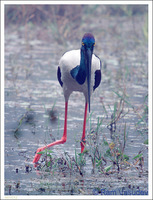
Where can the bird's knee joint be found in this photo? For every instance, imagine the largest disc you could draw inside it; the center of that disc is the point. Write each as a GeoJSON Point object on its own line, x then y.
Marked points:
{"type": "Point", "coordinates": [63, 139]}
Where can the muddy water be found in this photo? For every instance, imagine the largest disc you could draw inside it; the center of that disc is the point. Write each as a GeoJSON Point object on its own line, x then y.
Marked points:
{"type": "Point", "coordinates": [32, 90]}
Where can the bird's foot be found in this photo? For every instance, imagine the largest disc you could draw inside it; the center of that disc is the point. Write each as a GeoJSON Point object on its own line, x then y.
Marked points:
{"type": "Point", "coordinates": [37, 156]}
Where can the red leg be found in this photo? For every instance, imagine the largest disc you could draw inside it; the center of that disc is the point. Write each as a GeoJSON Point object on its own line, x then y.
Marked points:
{"type": "Point", "coordinates": [61, 141]}
{"type": "Point", "coordinates": [84, 128]}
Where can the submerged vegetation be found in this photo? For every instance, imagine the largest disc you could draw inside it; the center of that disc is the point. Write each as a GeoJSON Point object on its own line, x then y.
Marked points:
{"type": "Point", "coordinates": [107, 157]}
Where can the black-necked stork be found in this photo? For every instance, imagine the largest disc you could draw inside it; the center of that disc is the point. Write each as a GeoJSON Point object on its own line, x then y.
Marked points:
{"type": "Point", "coordinates": [79, 70]}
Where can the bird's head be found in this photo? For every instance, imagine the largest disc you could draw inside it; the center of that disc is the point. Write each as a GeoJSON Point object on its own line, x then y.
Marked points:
{"type": "Point", "coordinates": [88, 43]}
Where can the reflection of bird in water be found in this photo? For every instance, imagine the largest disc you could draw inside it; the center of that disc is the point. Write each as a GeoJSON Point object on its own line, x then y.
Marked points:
{"type": "Point", "coordinates": [79, 70]}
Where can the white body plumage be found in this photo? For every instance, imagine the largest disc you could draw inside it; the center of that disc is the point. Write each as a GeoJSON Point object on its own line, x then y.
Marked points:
{"type": "Point", "coordinates": [69, 61]}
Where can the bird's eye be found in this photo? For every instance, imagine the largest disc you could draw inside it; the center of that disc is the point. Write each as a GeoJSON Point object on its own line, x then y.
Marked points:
{"type": "Point", "coordinates": [83, 43]}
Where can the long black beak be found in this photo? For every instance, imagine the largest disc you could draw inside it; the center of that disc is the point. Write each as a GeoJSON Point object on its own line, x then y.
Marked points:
{"type": "Point", "coordinates": [88, 69]}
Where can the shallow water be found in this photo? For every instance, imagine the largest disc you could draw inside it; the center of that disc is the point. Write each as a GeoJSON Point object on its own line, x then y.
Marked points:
{"type": "Point", "coordinates": [31, 89]}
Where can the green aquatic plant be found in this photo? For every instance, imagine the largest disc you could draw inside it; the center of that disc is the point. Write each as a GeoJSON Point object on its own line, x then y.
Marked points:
{"type": "Point", "coordinates": [27, 117]}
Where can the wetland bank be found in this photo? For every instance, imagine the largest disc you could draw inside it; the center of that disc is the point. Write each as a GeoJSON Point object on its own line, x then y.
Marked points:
{"type": "Point", "coordinates": [116, 155]}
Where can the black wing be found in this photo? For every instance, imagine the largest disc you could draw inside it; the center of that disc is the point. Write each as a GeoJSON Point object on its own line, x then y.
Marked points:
{"type": "Point", "coordinates": [97, 79]}
{"type": "Point", "coordinates": [59, 76]}
{"type": "Point", "coordinates": [97, 75]}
